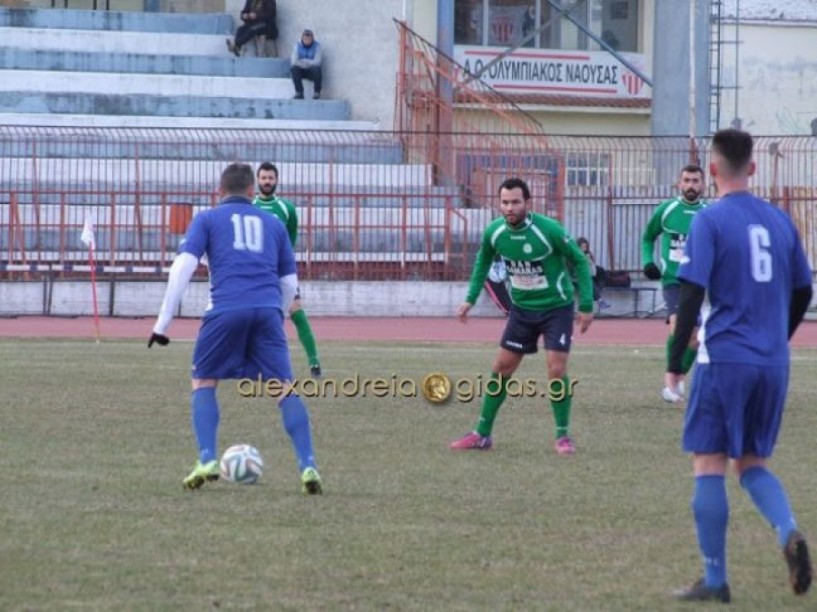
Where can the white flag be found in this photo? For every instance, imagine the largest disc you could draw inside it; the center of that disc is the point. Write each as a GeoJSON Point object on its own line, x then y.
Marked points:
{"type": "Point", "coordinates": [87, 236]}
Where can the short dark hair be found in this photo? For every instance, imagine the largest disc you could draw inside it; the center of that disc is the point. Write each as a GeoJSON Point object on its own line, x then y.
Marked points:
{"type": "Point", "coordinates": [693, 168]}
{"type": "Point", "coordinates": [267, 166]}
{"type": "Point", "coordinates": [237, 178]}
{"type": "Point", "coordinates": [734, 147]}
{"type": "Point", "coordinates": [515, 183]}
{"type": "Point", "coordinates": [582, 240]}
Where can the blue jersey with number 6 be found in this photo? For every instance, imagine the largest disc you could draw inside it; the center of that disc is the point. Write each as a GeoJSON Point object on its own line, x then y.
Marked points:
{"type": "Point", "coordinates": [248, 251]}
{"type": "Point", "coordinates": [747, 255]}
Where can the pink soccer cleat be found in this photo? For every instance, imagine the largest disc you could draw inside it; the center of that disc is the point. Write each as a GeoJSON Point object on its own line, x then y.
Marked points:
{"type": "Point", "coordinates": [565, 446]}
{"type": "Point", "coordinates": [472, 441]}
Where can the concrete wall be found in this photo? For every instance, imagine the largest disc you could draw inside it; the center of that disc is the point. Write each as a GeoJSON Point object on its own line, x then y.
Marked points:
{"type": "Point", "coordinates": [321, 298]}
{"type": "Point", "coordinates": [777, 75]}
{"type": "Point", "coordinates": [790, 10]}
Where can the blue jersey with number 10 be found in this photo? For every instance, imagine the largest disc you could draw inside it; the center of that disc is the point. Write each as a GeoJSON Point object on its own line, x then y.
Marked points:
{"type": "Point", "coordinates": [747, 255]}
{"type": "Point", "coordinates": [248, 251]}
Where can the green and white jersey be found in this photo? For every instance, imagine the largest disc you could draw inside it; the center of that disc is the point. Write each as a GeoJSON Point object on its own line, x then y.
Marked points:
{"type": "Point", "coordinates": [671, 220]}
{"type": "Point", "coordinates": [535, 254]}
{"type": "Point", "coordinates": [284, 210]}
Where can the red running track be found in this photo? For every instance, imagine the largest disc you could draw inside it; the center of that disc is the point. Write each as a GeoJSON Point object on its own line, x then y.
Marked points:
{"type": "Point", "coordinates": [437, 329]}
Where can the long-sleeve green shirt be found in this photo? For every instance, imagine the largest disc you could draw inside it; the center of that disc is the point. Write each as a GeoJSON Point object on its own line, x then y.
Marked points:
{"type": "Point", "coordinates": [284, 210]}
{"type": "Point", "coordinates": [535, 254]}
{"type": "Point", "coordinates": [671, 220]}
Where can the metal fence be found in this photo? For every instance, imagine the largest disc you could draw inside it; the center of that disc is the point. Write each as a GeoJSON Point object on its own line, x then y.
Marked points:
{"type": "Point", "coordinates": [373, 205]}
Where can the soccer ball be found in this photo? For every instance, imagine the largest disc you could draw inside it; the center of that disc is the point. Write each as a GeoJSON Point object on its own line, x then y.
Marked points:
{"type": "Point", "coordinates": [242, 463]}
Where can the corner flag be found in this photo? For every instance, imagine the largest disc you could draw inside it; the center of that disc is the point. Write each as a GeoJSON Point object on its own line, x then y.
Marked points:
{"type": "Point", "coordinates": [87, 236]}
{"type": "Point", "coordinates": [88, 239]}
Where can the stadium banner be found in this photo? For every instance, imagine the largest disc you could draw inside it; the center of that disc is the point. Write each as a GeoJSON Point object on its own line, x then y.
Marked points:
{"type": "Point", "coordinates": [595, 74]}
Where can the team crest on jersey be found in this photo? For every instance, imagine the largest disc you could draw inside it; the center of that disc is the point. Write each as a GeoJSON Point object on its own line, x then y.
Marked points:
{"type": "Point", "coordinates": [527, 248]}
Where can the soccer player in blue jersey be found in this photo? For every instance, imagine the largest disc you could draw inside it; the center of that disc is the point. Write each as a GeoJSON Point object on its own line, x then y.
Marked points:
{"type": "Point", "coordinates": [746, 254]}
{"type": "Point", "coordinates": [252, 284]}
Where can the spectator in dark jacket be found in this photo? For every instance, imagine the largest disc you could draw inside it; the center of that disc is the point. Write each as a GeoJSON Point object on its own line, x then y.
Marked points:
{"type": "Point", "coordinates": [259, 20]}
{"type": "Point", "coordinates": [306, 64]}
{"type": "Point", "coordinates": [598, 273]}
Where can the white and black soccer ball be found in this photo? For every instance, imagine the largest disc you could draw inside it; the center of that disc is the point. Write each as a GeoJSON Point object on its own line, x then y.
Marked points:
{"type": "Point", "coordinates": [242, 463]}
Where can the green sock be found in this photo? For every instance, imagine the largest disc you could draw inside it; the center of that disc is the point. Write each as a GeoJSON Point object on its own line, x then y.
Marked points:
{"type": "Point", "coordinates": [670, 340]}
{"type": "Point", "coordinates": [561, 396]}
{"type": "Point", "coordinates": [492, 399]}
{"type": "Point", "coordinates": [688, 359]}
{"type": "Point", "coordinates": [305, 336]}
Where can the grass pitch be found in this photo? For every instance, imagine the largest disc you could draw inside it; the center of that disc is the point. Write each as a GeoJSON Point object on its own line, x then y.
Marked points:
{"type": "Point", "coordinates": [96, 440]}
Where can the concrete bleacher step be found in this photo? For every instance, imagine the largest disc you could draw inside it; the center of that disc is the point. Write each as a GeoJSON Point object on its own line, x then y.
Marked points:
{"type": "Point", "coordinates": [181, 106]}
{"type": "Point", "coordinates": [125, 239]}
{"type": "Point", "coordinates": [170, 85]}
{"type": "Point", "coordinates": [318, 197]}
{"type": "Point", "coordinates": [121, 173]}
{"type": "Point", "coordinates": [74, 125]}
{"type": "Point", "coordinates": [212, 146]}
{"type": "Point", "coordinates": [200, 23]}
{"type": "Point", "coordinates": [139, 64]}
{"type": "Point", "coordinates": [369, 231]}
{"type": "Point", "coordinates": [150, 215]}
{"type": "Point", "coordinates": [149, 43]}
{"type": "Point", "coordinates": [88, 61]}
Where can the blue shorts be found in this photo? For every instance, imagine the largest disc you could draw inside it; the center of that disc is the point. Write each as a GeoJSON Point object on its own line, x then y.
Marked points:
{"type": "Point", "coordinates": [735, 409]}
{"type": "Point", "coordinates": [524, 327]}
{"type": "Point", "coordinates": [242, 343]}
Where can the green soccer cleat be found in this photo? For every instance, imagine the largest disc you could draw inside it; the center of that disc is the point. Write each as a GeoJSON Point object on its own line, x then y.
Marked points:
{"type": "Point", "coordinates": [203, 472]}
{"type": "Point", "coordinates": [311, 482]}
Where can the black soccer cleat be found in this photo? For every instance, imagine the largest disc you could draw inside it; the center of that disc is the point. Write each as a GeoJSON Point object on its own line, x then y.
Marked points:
{"type": "Point", "coordinates": [799, 562]}
{"type": "Point", "coordinates": [315, 370]}
{"type": "Point", "coordinates": [700, 592]}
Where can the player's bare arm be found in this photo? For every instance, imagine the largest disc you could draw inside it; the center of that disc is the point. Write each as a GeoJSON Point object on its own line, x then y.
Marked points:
{"type": "Point", "coordinates": [462, 312]}
{"type": "Point", "coordinates": [584, 319]}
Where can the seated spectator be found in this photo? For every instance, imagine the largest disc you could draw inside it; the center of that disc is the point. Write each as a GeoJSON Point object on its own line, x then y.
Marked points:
{"type": "Point", "coordinates": [259, 20]}
{"type": "Point", "coordinates": [597, 272]}
{"type": "Point", "coordinates": [306, 64]}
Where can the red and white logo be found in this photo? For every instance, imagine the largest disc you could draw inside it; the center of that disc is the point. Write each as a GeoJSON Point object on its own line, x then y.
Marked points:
{"type": "Point", "coordinates": [503, 29]}
{"type": "Point", "coordinates": [632, 82]}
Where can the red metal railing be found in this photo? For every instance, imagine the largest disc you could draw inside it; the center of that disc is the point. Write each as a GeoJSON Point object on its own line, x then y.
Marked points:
{"type": "Point", "coordinates": [371, 205]}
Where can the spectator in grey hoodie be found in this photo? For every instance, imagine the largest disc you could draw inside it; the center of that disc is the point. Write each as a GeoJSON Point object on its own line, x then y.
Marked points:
{"type": "Point", "coordinates": [306, 64]}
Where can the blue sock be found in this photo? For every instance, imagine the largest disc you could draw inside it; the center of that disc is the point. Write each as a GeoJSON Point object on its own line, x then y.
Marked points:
{"type": "Point", "coordinates": [770, 498]}
{"type": "Point", "coordinates": [711, 510]}
{"type": "Point", "coordinates": [296, 424]}
{"type": "Point", "coordinates": [204, 416]}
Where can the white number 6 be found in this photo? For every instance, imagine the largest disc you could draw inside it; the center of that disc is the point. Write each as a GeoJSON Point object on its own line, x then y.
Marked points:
{"type": "Point", "coordinates": [759, 243]}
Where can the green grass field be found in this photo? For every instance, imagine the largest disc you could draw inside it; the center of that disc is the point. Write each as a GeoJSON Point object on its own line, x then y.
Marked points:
{"type": "Point", "coordinates": [96, 440]}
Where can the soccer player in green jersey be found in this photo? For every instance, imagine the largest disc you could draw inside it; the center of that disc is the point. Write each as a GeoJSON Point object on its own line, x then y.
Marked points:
{"type": "Point", "coordinates": [267, 177]}
{"type": "Point", "coordinates": [671, 221]}
{"type": "Point", "coordinates": [535, 249]}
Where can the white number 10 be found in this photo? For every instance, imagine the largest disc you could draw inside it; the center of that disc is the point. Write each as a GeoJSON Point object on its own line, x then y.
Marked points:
{"type": "Point", "coordinates": [759, 243]}
{"type": "Point", "coordinates": [248, 233]}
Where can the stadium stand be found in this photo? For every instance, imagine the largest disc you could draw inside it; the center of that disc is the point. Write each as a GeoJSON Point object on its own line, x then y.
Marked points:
{"type": "Point", "coordinates": [99, 113]}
